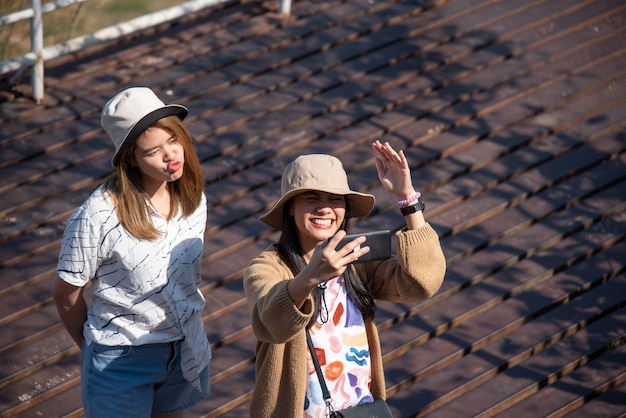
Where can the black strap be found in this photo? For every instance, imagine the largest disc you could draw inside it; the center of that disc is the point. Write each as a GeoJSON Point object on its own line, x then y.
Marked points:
{"type": "Point", "coordinates": [320, 375]}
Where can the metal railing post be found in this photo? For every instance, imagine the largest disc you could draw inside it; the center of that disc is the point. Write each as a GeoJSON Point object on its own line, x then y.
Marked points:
{"type": "Point", "coordinates": [37, 56]}
{"type": "Point", "coordinates": [36, 43]}
{"type": "Point", "coordinates": [285, 7]}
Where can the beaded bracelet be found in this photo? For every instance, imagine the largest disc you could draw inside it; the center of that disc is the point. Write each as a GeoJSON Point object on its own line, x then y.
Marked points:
{"type": "Point", "coordinates": [410, 199]}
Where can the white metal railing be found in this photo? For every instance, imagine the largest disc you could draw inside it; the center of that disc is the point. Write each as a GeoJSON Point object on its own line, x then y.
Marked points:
{"type": "Point", "coordinates": [38, 55]}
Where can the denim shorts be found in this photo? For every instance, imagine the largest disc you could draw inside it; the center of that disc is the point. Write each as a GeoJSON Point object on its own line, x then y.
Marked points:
{"type": "Point", "coordinates": [136, 381]}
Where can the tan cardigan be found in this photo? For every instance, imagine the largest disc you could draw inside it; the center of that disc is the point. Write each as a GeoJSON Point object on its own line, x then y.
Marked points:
{"type": "Point", "coordinates": [281, 375]}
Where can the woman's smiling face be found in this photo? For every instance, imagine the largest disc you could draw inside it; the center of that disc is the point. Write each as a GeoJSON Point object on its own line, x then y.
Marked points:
{"type": "Point", "coordinates": [318, 216]}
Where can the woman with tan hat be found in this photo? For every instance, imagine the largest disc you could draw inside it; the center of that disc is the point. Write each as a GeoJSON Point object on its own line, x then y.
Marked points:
{"type": "Point", "coordinates": [306, 284]}
{"type": "Point", "coordinates": [138, 241]}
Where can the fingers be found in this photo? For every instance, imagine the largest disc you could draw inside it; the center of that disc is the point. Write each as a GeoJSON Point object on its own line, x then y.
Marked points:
{"type": "Point", "coordinates": [393, 170]}
{"type": "Point", "coordinates": [380, 168]}
{"type": "Point", "coordinates": [403, 159]}
{"type": "Point", "coordinates": [339, 254]}
{"type": "Point", "coordinates": [351, 248]}
{"type": "Point", "coordinates": [328, 261]}
{"type": "Point", "coordinates": [324, 268]}
{"type": "Point", "coordinates": [388, 154]}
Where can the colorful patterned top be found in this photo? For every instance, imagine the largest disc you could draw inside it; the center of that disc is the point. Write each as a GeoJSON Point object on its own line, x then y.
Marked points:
{"type": "Point", "coordinates": [279, 325]}
{"type": "Point", "coordinates": [341, 347]}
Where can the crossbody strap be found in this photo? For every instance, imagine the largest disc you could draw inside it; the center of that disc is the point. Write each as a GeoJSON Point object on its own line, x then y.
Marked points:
{"type": "Point", "coordinates": [320, 376]}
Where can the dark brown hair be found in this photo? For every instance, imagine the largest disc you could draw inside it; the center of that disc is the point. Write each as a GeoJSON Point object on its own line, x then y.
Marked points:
{"type": "Point", "coordinates": [290, 252]}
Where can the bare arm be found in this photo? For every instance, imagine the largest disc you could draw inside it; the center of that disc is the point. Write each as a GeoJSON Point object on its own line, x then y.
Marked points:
{"type": "Point", "coordinates": [395, 175]}
{"type": "Point", "coordinates": [72, 308]}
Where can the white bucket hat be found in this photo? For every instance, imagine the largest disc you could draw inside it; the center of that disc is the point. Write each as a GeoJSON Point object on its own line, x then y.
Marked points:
{"type": "Point", "coordinates": [318, 172]}
{"type": "Point", "coordinates": [132, 111]}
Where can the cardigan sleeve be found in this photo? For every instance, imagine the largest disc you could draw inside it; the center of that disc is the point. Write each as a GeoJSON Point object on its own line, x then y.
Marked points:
{"type": "Point", "coordinates": [275, 318]}
{"type": "Point", "coordinates": [417, 271]}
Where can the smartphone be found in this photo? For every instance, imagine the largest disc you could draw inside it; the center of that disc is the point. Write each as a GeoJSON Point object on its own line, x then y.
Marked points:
{"type": "Point", "coordinates": [378, 241]}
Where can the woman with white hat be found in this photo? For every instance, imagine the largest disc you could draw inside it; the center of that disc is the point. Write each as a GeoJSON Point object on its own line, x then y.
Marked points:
{"type": "Point", "coordinates": [305, 284]}
{"type": "Point", "coordinates": [138, 241]}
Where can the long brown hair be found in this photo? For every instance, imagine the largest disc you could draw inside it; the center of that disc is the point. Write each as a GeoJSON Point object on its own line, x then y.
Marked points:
{"type": "Point", "coordinates": [130, 199]}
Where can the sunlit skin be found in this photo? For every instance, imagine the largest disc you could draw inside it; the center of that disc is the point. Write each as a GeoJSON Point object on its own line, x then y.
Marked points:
{"type": "Point", "coordinates": [395, 176]}
{"type": "Point", "coordinates": [318, 216]}
{"type": "Point", "coordinates": [318, 219]}
{"type": "Point", "coordinates": [160, 157]}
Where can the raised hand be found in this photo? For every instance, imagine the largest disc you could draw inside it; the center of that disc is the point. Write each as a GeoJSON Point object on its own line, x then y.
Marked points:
{"type": "Point", "coordinates": [393, 170]}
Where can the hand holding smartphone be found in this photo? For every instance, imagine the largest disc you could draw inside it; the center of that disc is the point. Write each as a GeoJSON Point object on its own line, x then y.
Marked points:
{"type": "Point", "coordinates": [378, 241]}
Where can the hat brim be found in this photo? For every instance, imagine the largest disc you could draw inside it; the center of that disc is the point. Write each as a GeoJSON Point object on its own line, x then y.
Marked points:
{"type": "Point", "coordinates": [144, 123]}
{"type": "Point", "coordinates": [360, 204]}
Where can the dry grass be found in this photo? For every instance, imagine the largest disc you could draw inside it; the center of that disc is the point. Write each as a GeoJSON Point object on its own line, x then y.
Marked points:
{"type": "Point", "coordinates": [70, 22]}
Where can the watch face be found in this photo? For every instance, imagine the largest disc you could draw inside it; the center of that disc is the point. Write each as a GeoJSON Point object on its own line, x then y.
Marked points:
{"type": "Point", "coordinates": [407, 210]}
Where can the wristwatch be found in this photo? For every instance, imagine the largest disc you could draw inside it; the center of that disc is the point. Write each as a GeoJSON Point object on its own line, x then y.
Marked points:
{"type": "Point", "coordinates": [407, 210]}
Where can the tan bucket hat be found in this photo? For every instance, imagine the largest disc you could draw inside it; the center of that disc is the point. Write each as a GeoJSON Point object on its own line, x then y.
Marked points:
{"type": "Point", "coordinates": [132, 111]}
{"type": "Point", "coordinates": [319, 172]}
